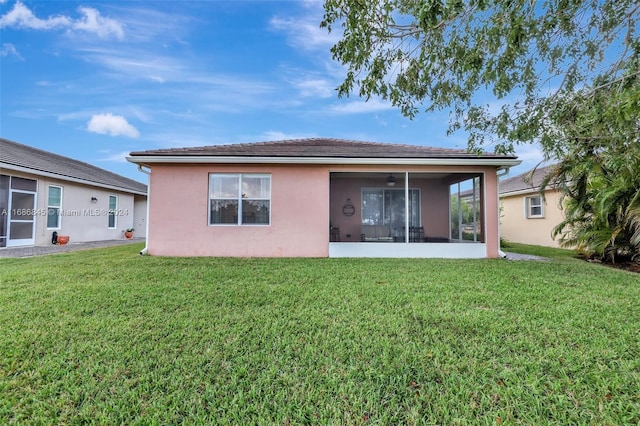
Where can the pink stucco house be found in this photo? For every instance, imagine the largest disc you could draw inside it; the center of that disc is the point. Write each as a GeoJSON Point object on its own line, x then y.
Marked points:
{"type": "Point", "coordinates": [317, 198]}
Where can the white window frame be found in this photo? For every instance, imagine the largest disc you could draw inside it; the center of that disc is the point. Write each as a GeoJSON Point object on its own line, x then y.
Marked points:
{"type": "Point", "coordinates": [50, 207]}
{"type": "Point", "coordinates": [240, 197]}
{"type": "Point", "coordinates": [111, 212]}
{"type": "Point", "coordinates": [529, 206]}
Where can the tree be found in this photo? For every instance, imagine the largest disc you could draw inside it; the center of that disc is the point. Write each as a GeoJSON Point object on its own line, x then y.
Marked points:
{"type": "Point", "coordinates": [599, 171]}
{"type": "Point", "coordinates": [461, 212]}
{"type": "Point", "coordinates": [531, 56]}
{"type": "Point", "coordinates": [565, 73]}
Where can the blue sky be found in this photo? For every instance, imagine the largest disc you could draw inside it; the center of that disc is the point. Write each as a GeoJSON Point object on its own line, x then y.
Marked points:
{"type": "Point", "coordinates": [97, 80]}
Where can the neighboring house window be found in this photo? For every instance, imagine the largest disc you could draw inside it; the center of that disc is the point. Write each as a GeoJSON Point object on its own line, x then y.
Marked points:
{"type": "Point", "coordinates": [113, 207]}
{"type": "Point", "coordinates": [239, 199]}
{"type": "Point", "coordinates": [534, 207]}
{"type": "Point", "coordinates": [54, 206]}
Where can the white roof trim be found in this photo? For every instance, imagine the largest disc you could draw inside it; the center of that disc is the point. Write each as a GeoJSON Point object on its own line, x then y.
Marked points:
{"type": "Point", "coordinates": [68, 178]}
{"type": "Point", "coordinates": [202, 159]}
{"type": "Point", "coordinates": [524, 191]}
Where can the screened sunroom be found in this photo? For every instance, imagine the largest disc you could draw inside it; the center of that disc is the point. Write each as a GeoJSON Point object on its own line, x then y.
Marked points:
{"type": "Point", "coordinates": [411, 214]}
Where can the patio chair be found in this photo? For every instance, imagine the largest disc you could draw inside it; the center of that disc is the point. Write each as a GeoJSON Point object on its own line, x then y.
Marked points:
{"type": "Point", "coordinates": [416, 234]}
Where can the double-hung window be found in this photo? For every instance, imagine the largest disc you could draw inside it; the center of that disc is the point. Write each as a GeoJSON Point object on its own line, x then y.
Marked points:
{"type": "Point", "coordinates": [533, 207]}
{"type": "Point", "coordinates": [239, 199]}
{"type": "Point", "coordinates": [54, 207]}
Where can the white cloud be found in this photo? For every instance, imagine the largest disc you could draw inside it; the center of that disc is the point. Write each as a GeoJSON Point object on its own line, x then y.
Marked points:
{"type": "Point", "coordinates": [94, 23]}
{"type": "Point", "coordinates": [362, 107]}
{"type": "Point", "coordinates": [315, 87]}
{"type": "Point", "coordinates": [157, 68]}
{"type": "Point", "coordinates": [305, 32]}
{"type": "Point", "coordinates": [114, 125]}
{"type": "Point", "coordinates": [531, 156]}
{"type": "Point", "coordinates": [381, 121]}
{"type": "Point", "coordinates": [530, 153]}
{"type": "Point", "coordinates": [136, 63]}
{"type": "Point", "coordinates": [119, 157]}
{"type": "Point", "coordinates": [22, 17]}
{"type": "Point", "coordinates": [274, 135]}
{"type": "Point", "coordinates": [8, 49]}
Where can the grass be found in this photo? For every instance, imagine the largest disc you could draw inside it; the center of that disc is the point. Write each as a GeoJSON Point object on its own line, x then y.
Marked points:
{"type": "Point", "coordinates": [110, 337]}
{"type": "Point", "coordinates": [549, 252]}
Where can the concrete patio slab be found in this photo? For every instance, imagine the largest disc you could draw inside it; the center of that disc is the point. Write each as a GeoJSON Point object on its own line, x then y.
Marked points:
{"type": "Point", "coordinates": [30, 251]}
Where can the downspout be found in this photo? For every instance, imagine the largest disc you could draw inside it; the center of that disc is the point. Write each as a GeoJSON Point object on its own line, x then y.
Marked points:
{"type": "Point", "coordinates": [506, 172]}
{"type": "Point", "coordinates": [499, 175]}
{"type": "Point", "coordinates": [145, 250]}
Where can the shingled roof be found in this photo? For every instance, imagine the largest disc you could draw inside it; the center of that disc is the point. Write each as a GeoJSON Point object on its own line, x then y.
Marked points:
{"type": "Point", "coordinates": [317, 148]}
{"type": "Point", "coordinates": [530, 180]}
{"type": "Point", "coordinates": [16, 156]}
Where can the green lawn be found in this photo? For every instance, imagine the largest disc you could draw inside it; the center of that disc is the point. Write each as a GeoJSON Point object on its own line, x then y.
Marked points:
{"type": "Point", "coordinates": [539, 250]}
{"type": "Point", "coordinates": [111, 337]}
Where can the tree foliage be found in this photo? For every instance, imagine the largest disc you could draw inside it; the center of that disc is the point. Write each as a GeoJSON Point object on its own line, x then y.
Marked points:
{"type": "Point", "coordinates": [599, 169]}
{"type": "Point", "coordinates": [461, 212]}
{"type": "Point", "coordinates": [564, 73]}
{"type": "Point", "coordinates": [440, 54]}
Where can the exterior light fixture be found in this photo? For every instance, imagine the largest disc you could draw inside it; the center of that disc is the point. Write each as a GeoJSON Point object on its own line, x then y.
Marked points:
{"type": "Point", "coordinates": [94, 200]}
{"type": "Point", "coordinates": [391, 181]}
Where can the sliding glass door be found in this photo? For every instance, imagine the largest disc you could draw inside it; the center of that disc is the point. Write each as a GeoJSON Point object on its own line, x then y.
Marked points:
{"type": "Point", "coordinates": [386, 207]}
{"type": "Point", "coordinates": [18, 202]}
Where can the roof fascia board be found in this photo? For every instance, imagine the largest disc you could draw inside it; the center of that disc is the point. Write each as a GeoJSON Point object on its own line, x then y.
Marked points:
{"type": "Point", "coordinates": [523, 191]}
{"type": "Point", "coordinates": [67, 178]}
{"type": "Point", "coordinates": [181, 159]}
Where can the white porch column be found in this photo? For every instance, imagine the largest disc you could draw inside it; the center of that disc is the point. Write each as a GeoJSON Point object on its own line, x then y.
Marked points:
{"type": "Point", "coordinates": [406, 207]}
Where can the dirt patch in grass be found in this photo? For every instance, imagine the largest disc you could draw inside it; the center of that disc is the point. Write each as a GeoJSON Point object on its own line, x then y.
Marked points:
{"type": "Point", "coordinates": [625, 265]}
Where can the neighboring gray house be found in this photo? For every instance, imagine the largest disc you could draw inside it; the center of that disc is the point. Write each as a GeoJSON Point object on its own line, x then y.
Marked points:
{"type": "Point", "coordinates": [42, 193]}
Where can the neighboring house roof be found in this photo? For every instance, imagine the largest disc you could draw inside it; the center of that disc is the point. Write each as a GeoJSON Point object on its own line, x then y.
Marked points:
{"type": "Point", "coordinates": [316, 150]}
{"type": "Point", "coordinates": [529, 181]}
{"type": "Point", "coordinates": [19, 157]}
{"type": "Point", "coordinates": [468, 193]}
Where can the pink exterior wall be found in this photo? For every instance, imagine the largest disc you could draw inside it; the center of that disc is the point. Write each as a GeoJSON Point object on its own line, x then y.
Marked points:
{"type": "Point", "coordinates": [179, 202]}
{"type": "Point", "coordinates": [300, 209]}
{"type": "Point", "coordinates": [341, 189]}
{"type": "Point", "coordinates": [435, 208]}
